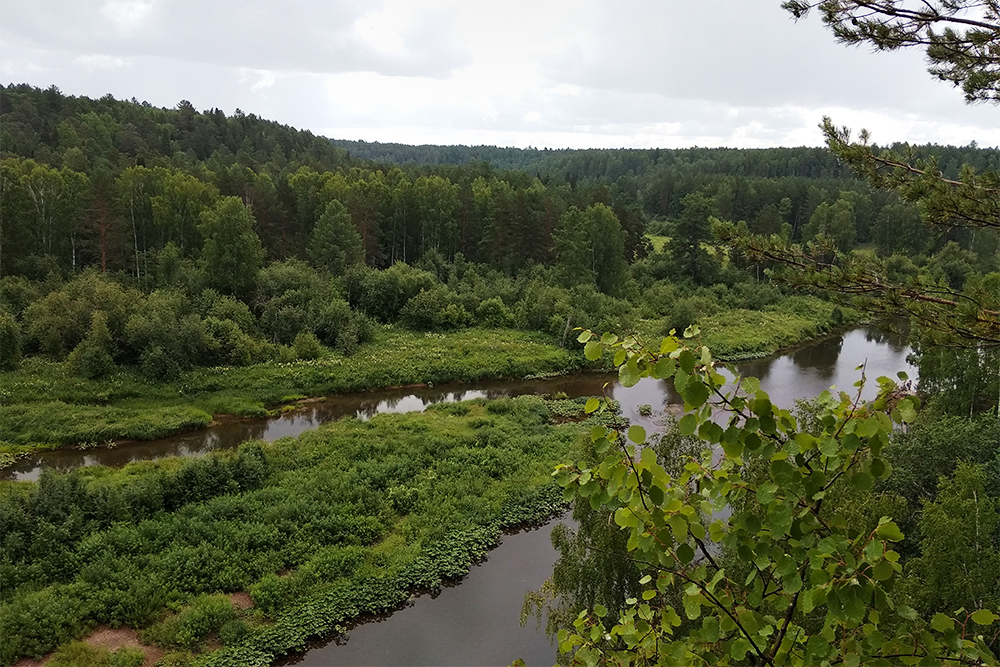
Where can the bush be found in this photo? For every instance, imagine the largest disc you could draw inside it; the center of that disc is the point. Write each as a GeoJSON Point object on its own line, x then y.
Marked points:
{"type": "Point", "coordinates": [383, 294]}
{"type": "Point", "coordinates": [687, 311]}
{"type": "Point", "coordinates": [10, 343]}
{"type": "Point", "coordinates": [494, 313]}
{"type": "Point", "coordinates": [189, 629]}
{"type": "Point", "coordinates": [307, 346]}
{"type": "Point", "coordinates": [92, 358]}
{"type": "Point", "coordinates": [433, 309]}
{"type": "Point", "coordinates": [81, 654]}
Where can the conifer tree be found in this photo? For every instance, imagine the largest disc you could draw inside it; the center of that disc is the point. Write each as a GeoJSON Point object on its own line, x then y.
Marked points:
{"type": "Point", "coordinates": [335, 244]}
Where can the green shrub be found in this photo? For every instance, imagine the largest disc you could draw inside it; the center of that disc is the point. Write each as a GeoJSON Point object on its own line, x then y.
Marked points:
{"type": "Point", "coordinates": [190, 628]}
{"type": "Point", "coordinates": [10, 342]}
{"type": "Point", "coordinates": [494, 313]}
{"type": "Point", "coordinates": [92, 358]}
{"type": "Point", "coordinates": [307, 346]}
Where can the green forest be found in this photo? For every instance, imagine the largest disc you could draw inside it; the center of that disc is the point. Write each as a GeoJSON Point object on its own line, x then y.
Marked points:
{"type": "Point", "coordinates": [163, 268]}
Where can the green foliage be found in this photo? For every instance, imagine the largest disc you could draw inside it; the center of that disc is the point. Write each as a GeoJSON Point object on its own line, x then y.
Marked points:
{"type": "Point", "coordinates": [165, 335]}
{"type": "Point", "coordinates": [334, 244]}
{"type": "Point", "coordinates": [189, 629]}
{"type": "Point", "coordinates": [289, 297]}
{"type": "Point", "coordinates": [782, 576]}
{"type": "Point", "coordinates": [687, 247]}
{"type": "Point", "coordinates": [81, 654]}
{"type": "Point", "coordinates": [832, 222]}
{"type": "Point", "coordinates": [494, 313]}
{"type": "Point", "coordinates": [60, 321]}
{"type": "Point", "coordinates": [307, 346]}
{"type": "Point", "coordinates": [959, 563]}
{"type": "Point", "coordinates": [319, 510]}
{"type": "Point", "coordinates": [589, 249]}
{"type": "Point", "coordinates": [94, 357]}
{"type": "Point", "coordinates": [435, 309]}
{"type": "Point", "coordinates": [232, 253]}
{"type": "Point", "coordinates": [382, 294]}
{"type": "Point", "coordinates": [10, 342]}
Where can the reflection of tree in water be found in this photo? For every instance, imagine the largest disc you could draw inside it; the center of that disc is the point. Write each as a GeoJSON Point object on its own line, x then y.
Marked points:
{"type": "Point", "coordinates": [758, 368]}
{"type": "Point", "coordinates": [893, 333]}
{"type": "Point", "coordinates": [821, 358]}
{"type": "Point", "coordinates": [594, 567]}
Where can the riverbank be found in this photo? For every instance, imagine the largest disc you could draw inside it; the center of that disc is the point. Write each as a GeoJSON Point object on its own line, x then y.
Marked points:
{"type": "Point", "coordinates": [45, 407]}
{"type": "Point", "coordinates": [349, 519]}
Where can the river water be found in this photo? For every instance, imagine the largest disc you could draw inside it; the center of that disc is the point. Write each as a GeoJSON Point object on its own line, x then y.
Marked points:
{"type": "Point", "coordinates": [477, 622]}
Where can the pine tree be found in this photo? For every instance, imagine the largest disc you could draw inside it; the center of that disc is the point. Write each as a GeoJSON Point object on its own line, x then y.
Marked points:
{"type": "Point", "coordinates": [334, 244]}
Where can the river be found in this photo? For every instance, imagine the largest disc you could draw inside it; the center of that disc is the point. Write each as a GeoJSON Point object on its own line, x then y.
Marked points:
{"type": "Point", "coordinates": [476, 622]}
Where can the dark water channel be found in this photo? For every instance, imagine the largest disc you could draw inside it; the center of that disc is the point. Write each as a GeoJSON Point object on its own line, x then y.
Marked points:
{"type": "Point", "coordinates": [476, 622]}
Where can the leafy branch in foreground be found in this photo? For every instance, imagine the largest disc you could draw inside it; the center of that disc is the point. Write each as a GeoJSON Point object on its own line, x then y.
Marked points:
{"type": "Point", "coordinates": [754, 535]}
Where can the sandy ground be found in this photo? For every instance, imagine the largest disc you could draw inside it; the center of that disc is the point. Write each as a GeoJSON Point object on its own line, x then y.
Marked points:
{"type": "Point", "coordinates": [111, 639]}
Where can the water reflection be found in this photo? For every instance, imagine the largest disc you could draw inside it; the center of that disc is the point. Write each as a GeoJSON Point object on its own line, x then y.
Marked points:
{"type": "Point", "coordinates": [475, 623]}
{"type": "Point", "coordinates": [805, 371]}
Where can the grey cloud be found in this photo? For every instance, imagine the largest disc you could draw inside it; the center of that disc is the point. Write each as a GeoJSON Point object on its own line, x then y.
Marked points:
{"type": "Point", "coordinates": [295, 35]}
{"type": "Point", "coordinates": [734, 52]}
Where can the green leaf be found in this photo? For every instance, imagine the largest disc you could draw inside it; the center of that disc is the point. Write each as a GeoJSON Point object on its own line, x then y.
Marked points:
{"type": "Point", "coordinates": [739, 648]}
{"type": "Point", "coordinates": [584, 336]}
{"type": "Point", "coordinates": [592, 350]}
{"type": "Point", "coordinates": [889, 531]}
{"type": "Point", "coordinates": [687, 360]}
{"type": "Point", "coordinates": [696, 393]}
{"type": "Point", "coordinates": [688, 424]}
{"type": "Point", "coordinates": [765, 493]}
{"type": "Point", "coordinates": [942, 623]}
{"type": "Point", "coordinates": [637, 434]}
{"type": "Point", "coordinates": [909, 613]}
{"type": "Point", "coordinates": [984, 617]}
{"type": "Point", "coordinates": [629, 374]}
{"type": "Point", "coordinates": [883, 570]}
{"type": "Point", "coordinates": [592, 405]}
{"type": "Point", "coordinates": [907, 411]}
{"type": "Point", "coordinates": [862, 481]}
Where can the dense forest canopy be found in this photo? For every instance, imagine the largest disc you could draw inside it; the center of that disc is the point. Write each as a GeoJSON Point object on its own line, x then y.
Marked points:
{"type": "Point", "coordinates": [110, 183]}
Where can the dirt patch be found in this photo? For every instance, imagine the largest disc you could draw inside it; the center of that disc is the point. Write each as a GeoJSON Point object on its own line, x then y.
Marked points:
{"type": "Point", "coordinates": [31, 662]}
{"type": "Point", "coordinates": [241, 600]}
{"type": "Point", "coordinates": [116, 638]}
{"type": "Point", "coordinates": [111, 639]}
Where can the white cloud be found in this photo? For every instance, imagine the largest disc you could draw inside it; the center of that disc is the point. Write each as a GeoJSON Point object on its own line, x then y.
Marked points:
{"type": "Point", "coordinates": [126, 15]}
{"type": "Point", "coordinates": [100, 61]}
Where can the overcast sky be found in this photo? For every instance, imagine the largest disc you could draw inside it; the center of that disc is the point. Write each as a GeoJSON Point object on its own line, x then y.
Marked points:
{"type": "Point", "coordinates": [585, 73]}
